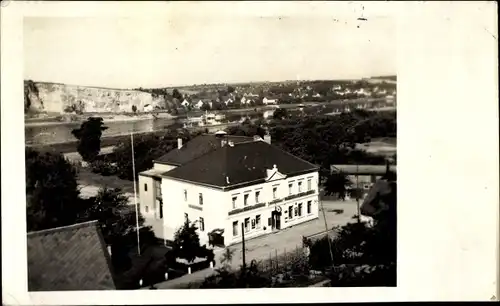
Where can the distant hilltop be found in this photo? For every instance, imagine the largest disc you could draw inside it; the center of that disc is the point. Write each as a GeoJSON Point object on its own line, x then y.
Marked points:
{"type": "Point", "coordinates": [57, 98]}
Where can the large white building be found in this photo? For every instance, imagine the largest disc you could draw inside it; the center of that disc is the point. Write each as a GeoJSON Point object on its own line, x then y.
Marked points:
{"type": "Point", "coordinates": [222, 182]}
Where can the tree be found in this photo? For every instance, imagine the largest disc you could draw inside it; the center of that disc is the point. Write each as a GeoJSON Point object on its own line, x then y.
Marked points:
{"type": "Point", "coordinates": [111, 208]}
{"type": "Point", "coordinates": [205, 107]}
{"type": "Point", "coordinates": [227, 256]}
{"type": "Point", "coordinates": [246, 129]}
{"type": "Point", "coordinates": [186, 241]}
{"type": "Point", "coordinates": [176, 94]}
{"type": "Point", "coordinates": [146, 149]}
{"type": "Point", "coordinates": [364, 255]}
{"type": "Point", "coordinates": [337, 183]}
{"type": "Point", "coordinates": [51, 191]}
{"type": "Point", "coordinates": [89, 136]}
{"type": "Point", "coordinates": [280, 114]}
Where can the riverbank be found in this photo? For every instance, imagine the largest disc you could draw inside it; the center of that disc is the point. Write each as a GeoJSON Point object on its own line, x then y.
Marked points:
{"type": "Point", "coordinates": [110, 141]}
{"type": "Point", "coordinates": [48, 120]}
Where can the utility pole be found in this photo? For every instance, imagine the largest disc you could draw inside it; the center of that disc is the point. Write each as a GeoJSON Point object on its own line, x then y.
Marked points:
{"type": "Point", "coordinates": [326, 227]}
{"type": "Point", "coordinates": [357, 192]}
{"type": "Point", "coordinates": [243, 244]}
{"type": "Point", "coordinates": [135, 195]}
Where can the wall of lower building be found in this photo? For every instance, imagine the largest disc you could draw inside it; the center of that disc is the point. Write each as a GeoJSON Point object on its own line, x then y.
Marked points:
{"type": "Point", "coordinates": [146, 196]}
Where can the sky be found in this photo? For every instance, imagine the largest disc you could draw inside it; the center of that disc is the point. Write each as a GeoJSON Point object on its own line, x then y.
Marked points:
{"type": "Point", "coordinates": [160, 52]}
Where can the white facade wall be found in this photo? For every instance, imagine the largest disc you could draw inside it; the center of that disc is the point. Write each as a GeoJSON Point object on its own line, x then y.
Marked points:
{"type": "Point", "coordinates": [266, 196]}
{"type": "Point", "coordinates": [175, 206]}
{"type": "Point", "coordinates": [217, 204]}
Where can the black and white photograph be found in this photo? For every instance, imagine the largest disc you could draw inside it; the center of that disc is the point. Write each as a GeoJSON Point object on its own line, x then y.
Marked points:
{"type": "Point", "coordinates": [237, 162]}
{"type": "Point", "coordinates": [203, 150]}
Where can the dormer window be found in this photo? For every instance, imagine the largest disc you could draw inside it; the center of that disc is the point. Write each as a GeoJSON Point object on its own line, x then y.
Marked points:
{"type": "Point", "coordinates": [275, 192]}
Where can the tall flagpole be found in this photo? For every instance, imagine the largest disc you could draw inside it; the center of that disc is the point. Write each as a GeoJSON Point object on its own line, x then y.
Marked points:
{"type": "Point", "coordinates": [135, 195]}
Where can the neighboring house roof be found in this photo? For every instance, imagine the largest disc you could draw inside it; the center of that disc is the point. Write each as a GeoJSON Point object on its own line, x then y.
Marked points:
{"type": "Point", "coordinates": [381, 196]}
{"type": "Point", "coordinates": [69, 258]}
{"type": "Point", "coordinates": [363, 169]}
{"type": "Point", "coordinates": [197, 147]}
{"type": "Point", "coordinates": [238, 165]}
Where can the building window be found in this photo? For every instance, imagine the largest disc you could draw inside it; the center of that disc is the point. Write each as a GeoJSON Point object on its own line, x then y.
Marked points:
{"type": "Point", "coordinates": [247, 224]}
{"type": "Point", "coordinates": [300, 209]}
{"type": "Point", "coordinates": [290, 212]}
{"type": "Point", "coordinates": [300, 186]}
{"type": "Point", "coordinates": [253, 223]}
{"type": "Point", "coordinates": [146, 208]}
{"type": "Point", "coordinates": [245, 200]}
{"type": "Point", "coordinates": [295, 211]}
{"type": "Point", "coordinates": [290, 189]}
{"type": "Point", "coordinates": [185, 195]}
{"type": "Point", "coordinates": [201, 199]}
{"type": "Point", "coordinates": [202, 224]}
{"type": "Point", "coordinates": [145, 187]}
{"type": "Point", "coordinates": [269, 221]}
{"type": "Point", "coordinates": [235, 228]}
{"type": "Point", "coordinates": [275, 192]}
{"type": "Point", "coordinates": [309, 207]}
{"type": "Point", "coordinates": [257, 221]}
{"type": "Point", "coordinates": [257, 194]}
{"type": "Point", "coordinates": [234, 202]}
{"type": "Point", "coordinates": [158, 188]}
{"type": "Point", "coordinates": [309, 184]}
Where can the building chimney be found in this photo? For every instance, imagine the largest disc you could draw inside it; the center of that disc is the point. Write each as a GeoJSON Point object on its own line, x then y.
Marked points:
{"type": "Point", "coordinates": [179, 143]}
{"type": "Point", "coordinates": [267, 138]}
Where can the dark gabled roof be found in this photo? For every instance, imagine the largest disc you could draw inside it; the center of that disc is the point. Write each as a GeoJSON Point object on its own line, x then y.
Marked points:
{"type": "Point", "coordinates": [69, 258]}
{"type": "Point", "coordinates": [233, 166]}
{"type": "Point", "coordinates": [197, 147]}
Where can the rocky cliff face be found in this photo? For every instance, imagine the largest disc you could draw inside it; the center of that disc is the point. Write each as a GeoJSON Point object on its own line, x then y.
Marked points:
{"type": "Point", "coordinates": [61, 98]}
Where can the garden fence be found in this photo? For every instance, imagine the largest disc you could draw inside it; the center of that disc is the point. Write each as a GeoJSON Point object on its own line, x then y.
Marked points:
{"type": "Point", "coordinates": [279, 262]}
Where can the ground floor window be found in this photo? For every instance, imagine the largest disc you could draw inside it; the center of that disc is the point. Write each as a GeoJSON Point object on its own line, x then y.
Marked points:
{"type": "Point", "coordinates": [235, 228]}
{"type": "Point", "coordinates": [253, 223]}
{"type": "Point", "coordinates": [257, 221]}
{"type": "Point", "coordinates": [295, 211]}
{"type": "Point", "coordinates": [309, 207]}
{"type": "Point", "coordinates": [290, 212]}
{"type": "Point", "coordinates": [247, 224]}
{"type": "Point", "coordinates": [300, 209]}
{"type": "Point", "coordinates": [269, 221]}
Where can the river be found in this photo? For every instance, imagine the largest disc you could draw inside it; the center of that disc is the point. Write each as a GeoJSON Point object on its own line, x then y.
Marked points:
{"type": "Point", "coordinates": [61, 132]}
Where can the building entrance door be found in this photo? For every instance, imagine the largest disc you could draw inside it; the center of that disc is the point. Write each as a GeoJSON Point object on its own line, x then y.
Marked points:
{"type": "Point", "coordinates": [276, 219]}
